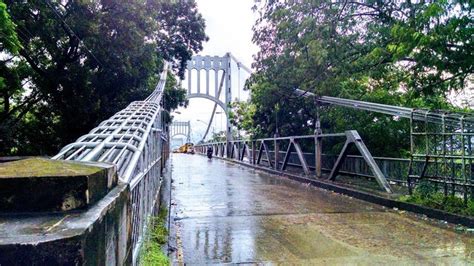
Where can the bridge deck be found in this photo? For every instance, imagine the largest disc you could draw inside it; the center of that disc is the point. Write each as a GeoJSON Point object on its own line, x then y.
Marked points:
{"type": "Point", "coordinates": [225, 213]}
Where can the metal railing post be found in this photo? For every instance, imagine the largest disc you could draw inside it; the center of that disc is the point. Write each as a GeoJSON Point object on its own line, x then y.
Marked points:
{"type": "Point", "coordinates": [276, 151]}
{"type": "Point", "coordinates": [253, 152]}
{"type": "Point", "coordinates": [318, 150]}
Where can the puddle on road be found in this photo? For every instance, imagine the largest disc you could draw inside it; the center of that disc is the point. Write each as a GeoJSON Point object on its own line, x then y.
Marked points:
{"type": "Point", "coordinates": [229, 214]}
{"type": "Point", "coordinates": [318, 238]}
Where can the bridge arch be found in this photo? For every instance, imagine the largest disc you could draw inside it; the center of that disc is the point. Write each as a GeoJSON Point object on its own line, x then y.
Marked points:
{"type": "Point", "coordinates": [199, 72]}
{"type": "Point", "coordinates": [181, 128]}
{"type": "Point", "coordinates": [213, 99]}
{"type": "Point", "coordinates": [202, 87]}
{"type": "Point", "coordinates": [179, 135]}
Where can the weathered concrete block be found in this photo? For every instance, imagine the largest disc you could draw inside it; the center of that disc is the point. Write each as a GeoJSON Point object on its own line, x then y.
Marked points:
{"type": "Point", "coordinates": [99, 235]}
{"type": "Point", "coordinates": [43, 185]}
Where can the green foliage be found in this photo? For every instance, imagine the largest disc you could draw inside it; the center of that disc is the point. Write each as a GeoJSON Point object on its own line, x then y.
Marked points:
{"type": "Point", "coordinates": [154, 256]}
{"type": "Point", "coordinates": [425, 189]}
{"type": "Point", "coordinates": [470, 208]}
{"type": "Point", "coordinates": [241, 115]}
{"type": "Point", "coordinates": [427, 195]}
{"type": "Point", "coordinates": [394, 52]}
{"type": "Point", "coordinates": [152, 253]}
{"type": "Point", "coordinates": [218, 137]}
{"type": "Point", "coordinates": [8, 37]}
{"type": "Point", "coordinates": [173, 97]}
{"type": "Point", "coordinates": [9, 43]}
{"type": "Point", "coordinates": [79, 62]}
{"type": "Point", "coordinates": [184, 31]}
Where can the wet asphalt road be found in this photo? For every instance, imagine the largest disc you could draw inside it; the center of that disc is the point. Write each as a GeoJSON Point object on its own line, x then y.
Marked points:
{"type": "Point", "coordinates": [226, 213]}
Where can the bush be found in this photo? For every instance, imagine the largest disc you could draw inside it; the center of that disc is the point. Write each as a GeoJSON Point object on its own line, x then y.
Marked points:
{"type": "Point", "coordinates": [152, 253]}
{"type": "Point", "coordinates": [426, 194]}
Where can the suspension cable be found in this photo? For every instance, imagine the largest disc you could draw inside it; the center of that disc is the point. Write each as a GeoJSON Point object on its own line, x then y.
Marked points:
{"type": "Point", "coordinates": [417, 114]}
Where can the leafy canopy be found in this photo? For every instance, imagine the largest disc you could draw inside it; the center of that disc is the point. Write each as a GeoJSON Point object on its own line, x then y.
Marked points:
{"type": "Point", "coordinates": [395, 52]}
{"type": "Point", "coordinates": [76, 63]}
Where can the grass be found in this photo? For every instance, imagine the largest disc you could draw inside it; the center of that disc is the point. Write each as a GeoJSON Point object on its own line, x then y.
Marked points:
{"type": "Point", "coordinates": [152, 253]}
{"type": "Point", "coordinates": [426, 195]}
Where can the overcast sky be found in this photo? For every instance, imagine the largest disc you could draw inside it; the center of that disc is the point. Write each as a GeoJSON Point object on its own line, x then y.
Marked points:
{"type": "Point", "coordinates": [229, 27]}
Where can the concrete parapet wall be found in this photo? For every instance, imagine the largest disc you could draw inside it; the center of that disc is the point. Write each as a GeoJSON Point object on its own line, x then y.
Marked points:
{"type": "Point", "coordinates": [43, 185]}
{"type": "Point", "coordinates": [98, 233]}
{"type": "Point", "coordinates": [98, 236]}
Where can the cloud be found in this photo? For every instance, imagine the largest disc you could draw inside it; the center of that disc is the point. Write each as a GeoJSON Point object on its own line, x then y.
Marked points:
{"type": "Point", "coordinates": [229, 27]}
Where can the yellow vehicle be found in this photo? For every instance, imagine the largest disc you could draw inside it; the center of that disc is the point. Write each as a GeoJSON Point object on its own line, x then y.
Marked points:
{"type": "Point", "coordinates": [186, 148]}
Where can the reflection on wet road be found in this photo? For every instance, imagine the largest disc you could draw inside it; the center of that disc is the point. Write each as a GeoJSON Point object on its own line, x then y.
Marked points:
{"type": "Point", "coordinates": [226, 213]}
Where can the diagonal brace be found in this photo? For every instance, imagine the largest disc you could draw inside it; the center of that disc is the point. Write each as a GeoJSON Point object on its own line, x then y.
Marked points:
{"type": "Point", "coordinates": [353, 138]}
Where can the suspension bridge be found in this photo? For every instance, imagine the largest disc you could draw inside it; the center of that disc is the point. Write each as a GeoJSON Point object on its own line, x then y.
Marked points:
{"type": "Point", "coordinates": [281, 199]}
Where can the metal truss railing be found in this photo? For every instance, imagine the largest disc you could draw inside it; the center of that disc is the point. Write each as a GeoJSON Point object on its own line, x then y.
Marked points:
{"type": "Point", "coordinates": [447, 149]}
{"type": "Point", "coordinates": [276, 153]}
{"type": "Point", "coordinates": [134, 140]}
{"type": "Point", "coordinates": [442, 149]}
{"type": "Point", "coordinates": [442, 140]}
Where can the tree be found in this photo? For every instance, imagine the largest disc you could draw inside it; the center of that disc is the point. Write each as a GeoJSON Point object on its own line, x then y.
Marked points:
{"type": "Point", "coordinates": [10, 70]}
{"type": "Point", "coordinates": [173, 97]}
{"type": "Point", "coordinates": [181, 33]}
{"type": "Point", "coordinates": [8, 38]}
{"type": "Point", "coordinates": [82, 61]}
{"type": "Point", "coordinates": [394, 52]}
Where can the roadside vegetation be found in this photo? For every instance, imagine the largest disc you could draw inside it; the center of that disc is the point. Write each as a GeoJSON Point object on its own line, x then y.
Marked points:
{"type": "Point", "coordinates": [404, 53]}
{"type": "Point", "coordinates": [426, 194]}
{"type": "Point", "coordinates": [152, 253]}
